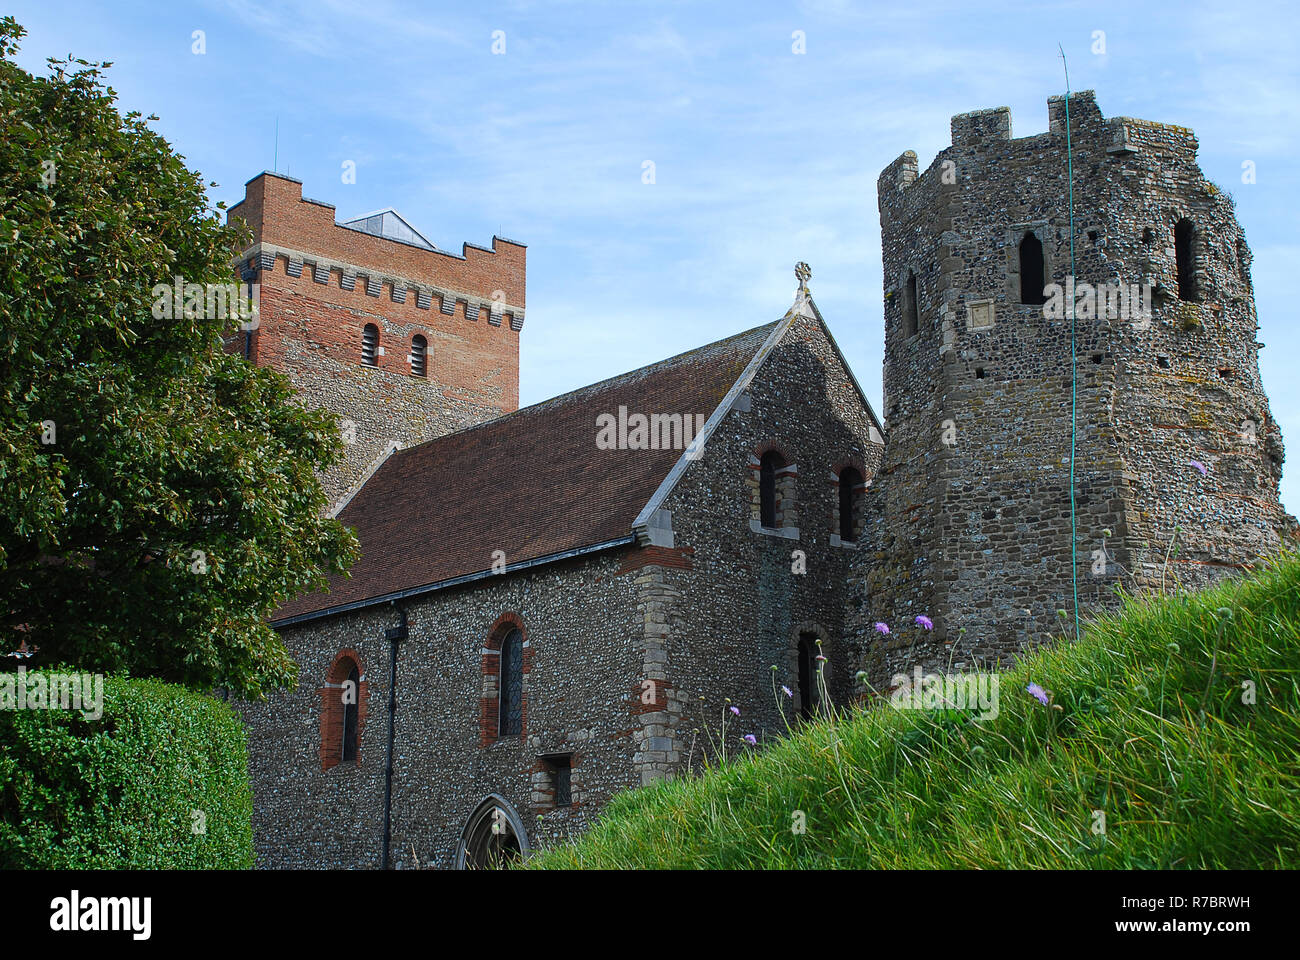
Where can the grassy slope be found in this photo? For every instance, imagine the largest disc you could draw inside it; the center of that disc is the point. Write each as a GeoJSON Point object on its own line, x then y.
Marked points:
{"type": "Point", "coordinates": [1180, 786]}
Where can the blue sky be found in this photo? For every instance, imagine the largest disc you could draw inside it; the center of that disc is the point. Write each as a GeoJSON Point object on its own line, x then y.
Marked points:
{"type": "Point", "coordinates": [762, 157]}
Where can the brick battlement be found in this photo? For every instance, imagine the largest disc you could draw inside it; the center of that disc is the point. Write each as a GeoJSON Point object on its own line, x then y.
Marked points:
{"type": "Point", "coordinates": [283, 220]}
{"type": "Point", "coordinates": [403, 342]}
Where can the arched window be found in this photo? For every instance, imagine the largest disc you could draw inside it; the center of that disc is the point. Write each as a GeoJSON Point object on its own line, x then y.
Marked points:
{"type": "Point", "coordinates": [343, 711]}
{"type": "Point", "coordinates": [1185, 260]}
{"type": "Point", "coordinates": [911, 307]}
{"type": "Point", "coordinates": [850, 504]}
{"type": "Point", "coordinates": [512, 685]}
{"type": "Point", "coordinates": [1032, 274]}
{"type": "Point", "coordinates": [350, 708]}
{"type": "Point", "coordinates": [419, 350]}
{"type": "Point", "coordinates": [370, 345]}
{"type": "Point", "coordinates": [807, 675]}
{"type": "Point", "coordinates": [767, 492]}
{"type": "Point", "coordinates": [493, 837]}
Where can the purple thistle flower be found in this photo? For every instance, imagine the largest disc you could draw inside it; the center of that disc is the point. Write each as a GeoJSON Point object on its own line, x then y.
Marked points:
{"type": "Point", "coordinates": [1199, 466]}
{"type": "Point", "coordinates": [736, 710]}
{"type": "Point", "coordinates": [882, 628]}
{"type": "Point", "coordinates": [751, 740]}
{"type": "Point", "coordinates": [1038, 693]}
{"type": "Point", "coordinates": [925, 622]}
{"type": "Point", "coordinates": [787, 691]}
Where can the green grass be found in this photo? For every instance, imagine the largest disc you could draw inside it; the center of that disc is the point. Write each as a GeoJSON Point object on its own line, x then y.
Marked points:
{"type": "Point", "coordinates": [1189, 776]}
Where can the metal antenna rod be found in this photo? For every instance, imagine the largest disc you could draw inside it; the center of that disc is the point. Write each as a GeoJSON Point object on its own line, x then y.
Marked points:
{"type": "Point", "coordinates": [1074, 365]}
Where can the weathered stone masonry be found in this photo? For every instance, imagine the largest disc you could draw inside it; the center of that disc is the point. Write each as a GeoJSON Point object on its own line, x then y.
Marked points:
{"type": "Point", "coordinates": [969, 522]}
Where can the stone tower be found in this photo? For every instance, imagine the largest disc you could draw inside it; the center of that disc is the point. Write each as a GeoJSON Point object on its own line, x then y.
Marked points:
{"type": "Point", "coordinates": [1176, 453]}
{"type": "Point", "coordinates": [403, 341]}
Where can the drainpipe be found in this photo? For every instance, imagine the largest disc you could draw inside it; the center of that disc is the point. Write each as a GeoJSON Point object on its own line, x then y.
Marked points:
{"type": "Point", "coordinates": [394, 635]}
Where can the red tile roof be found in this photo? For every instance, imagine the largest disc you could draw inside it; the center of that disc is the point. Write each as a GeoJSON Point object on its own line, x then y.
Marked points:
{"type": "Point", "coordinates": [532, 483]}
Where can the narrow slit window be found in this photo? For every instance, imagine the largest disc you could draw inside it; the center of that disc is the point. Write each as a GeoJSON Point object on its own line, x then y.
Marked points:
{"type": "Point", "coordinates": [767, 494]}
{"type": "Point", "coordinates": [512, 685]}
{"type": "Point", "coordinates": [350, 716]}
{"type": "Point", "coordinates": [850, 497]}
{"type": "Point", "coordinates": [1185, 260]}
{"type": "Point", "coordinates": [1031, 271]}
{"type": "Point", "coordinates": [911, 310]}
{"type": "Point", "coordinates": [807, 675]}
{"type": "Point", "coordinates": [370, 345]}
{"type": "Point", "coordinates": [419, 352]}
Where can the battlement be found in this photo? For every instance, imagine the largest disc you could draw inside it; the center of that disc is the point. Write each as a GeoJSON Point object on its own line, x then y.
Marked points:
{"type": "Point", "coordinates": [980, 125]}
{"type": "Point", "coordinates": [899, 175]}
{"type": "Point", "coordinates": [990, 129]}
{"type": "Point", "coordinates": [286, 225]}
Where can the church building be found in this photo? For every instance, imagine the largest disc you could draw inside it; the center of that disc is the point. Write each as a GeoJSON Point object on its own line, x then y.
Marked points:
{"type": "Point", "coordinates": [560, 602]}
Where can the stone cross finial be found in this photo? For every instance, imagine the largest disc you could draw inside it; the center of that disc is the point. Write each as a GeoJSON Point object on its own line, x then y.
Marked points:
{"type": "Point", "coordinates": [802, 273]}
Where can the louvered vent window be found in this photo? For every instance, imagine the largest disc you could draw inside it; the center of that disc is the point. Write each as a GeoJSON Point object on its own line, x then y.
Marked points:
{"type": "Point", "coordinates": [419, 351]}
{"type": "Point", "coordinates": [370, 345]}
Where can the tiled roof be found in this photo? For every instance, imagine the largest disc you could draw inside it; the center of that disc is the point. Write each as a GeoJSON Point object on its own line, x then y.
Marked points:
{"type": "Point", "coordinates": [532, 483]}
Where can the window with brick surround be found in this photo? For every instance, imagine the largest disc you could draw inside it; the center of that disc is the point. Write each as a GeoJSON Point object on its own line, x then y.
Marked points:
{"type": "Point", "coordinates": [512, 685]}
{"type": "Point", "coordinates": [343, 711]}
{"type": "Point", "coordinates": [419, 352]}
{"type": "Point", "coordinates": [850, 504]}
{"type": "Point", "coordinates": [503, 703]}
{"type": "Point", "coordinates": [772, 485]}
{"type": "Point", "coordinates": [370, 345]}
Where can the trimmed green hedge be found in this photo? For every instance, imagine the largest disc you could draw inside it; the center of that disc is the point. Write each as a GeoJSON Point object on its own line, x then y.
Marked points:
{"type": "Point", "coordinates": [159, 781]}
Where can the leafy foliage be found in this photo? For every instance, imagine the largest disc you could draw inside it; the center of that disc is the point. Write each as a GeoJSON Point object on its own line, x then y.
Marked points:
{"type": "Point", "coordinates": [159, 781]}
{"type": "Point", "coordinates": [179, 503]}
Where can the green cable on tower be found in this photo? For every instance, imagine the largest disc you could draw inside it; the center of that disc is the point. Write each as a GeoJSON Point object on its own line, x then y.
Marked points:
{"type": "Point", "coordinates": [1074, 366]}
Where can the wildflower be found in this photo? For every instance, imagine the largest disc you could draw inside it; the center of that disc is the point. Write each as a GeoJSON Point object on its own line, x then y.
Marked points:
{"type": "Point", "coordinates": [1198, 466]}
{"type": "Point", "coordinates": [751, 740]}
{"type": "Point", "coordinates": [820, 658]}
{"type": "Point", "coordinates": [925, 622]}
{"type": "Point", "coordinates": [736, 710]}
{"type": "Point", "coordinates": [882, 628]}
{"type": "Point", "coordinates": [787, 691]}
{"type": "Point", "coordinates": [1038, 693]}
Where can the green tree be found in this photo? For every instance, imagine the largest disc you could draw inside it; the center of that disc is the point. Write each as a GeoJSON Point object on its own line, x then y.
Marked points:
{"type": "Point", "coordinates": [158, 496]}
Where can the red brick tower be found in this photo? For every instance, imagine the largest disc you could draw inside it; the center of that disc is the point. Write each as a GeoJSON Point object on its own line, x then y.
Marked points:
{"type": "Point", "coordinates": [369, 320]}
